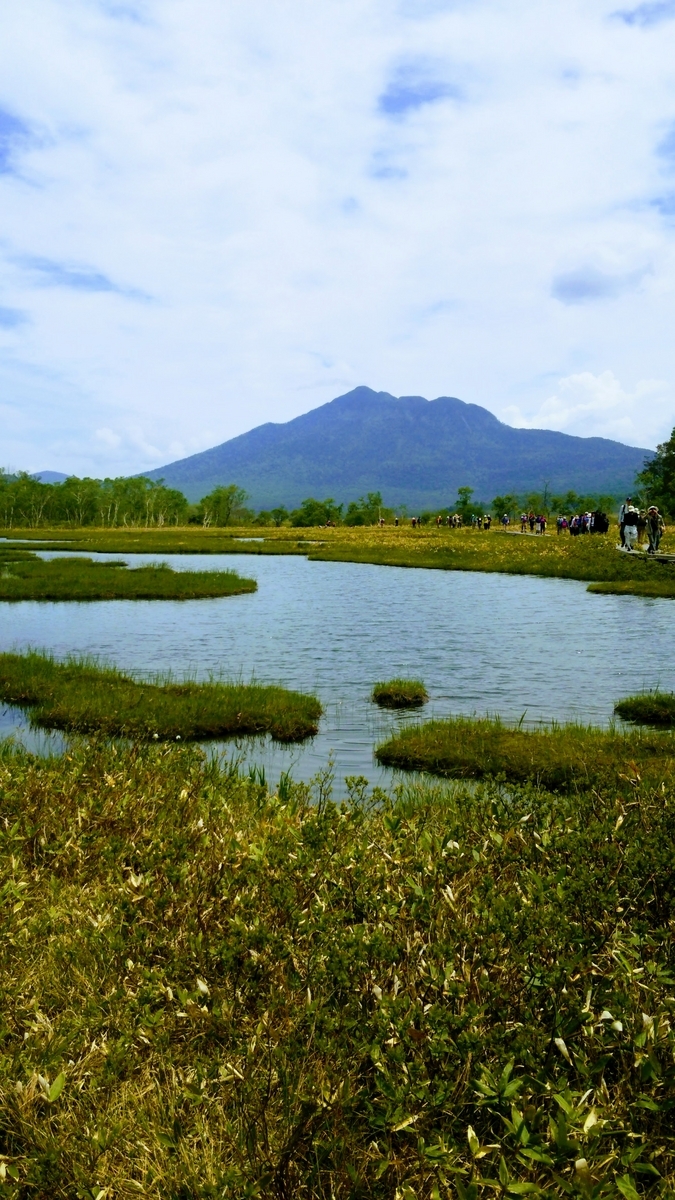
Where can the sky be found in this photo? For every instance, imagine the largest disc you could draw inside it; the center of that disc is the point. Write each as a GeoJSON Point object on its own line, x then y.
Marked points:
{"type": "Point", "coordinates": [215, 215]}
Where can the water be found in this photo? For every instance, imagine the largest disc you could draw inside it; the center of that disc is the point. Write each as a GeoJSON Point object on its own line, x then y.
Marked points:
{"type": "Point", "coordinates": [482, 643]}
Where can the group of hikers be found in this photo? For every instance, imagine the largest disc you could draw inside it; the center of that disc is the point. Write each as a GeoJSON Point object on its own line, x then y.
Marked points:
{"type": "Point", "coordinates": [453, 521]}
{"type": "Point", "coordinates": [588, 522]}
{"type": "Point", "coordinates": [634, 523]}
{"type": "Point", "coordinates": [536, 523]}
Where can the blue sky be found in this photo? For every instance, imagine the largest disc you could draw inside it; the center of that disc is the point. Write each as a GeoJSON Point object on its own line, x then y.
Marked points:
{"type": "Point", "coordinates": [216, 215]}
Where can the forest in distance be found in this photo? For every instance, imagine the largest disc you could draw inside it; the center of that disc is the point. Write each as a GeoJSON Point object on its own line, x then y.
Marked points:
{"type": "Point", "coordinates": [26, 501]}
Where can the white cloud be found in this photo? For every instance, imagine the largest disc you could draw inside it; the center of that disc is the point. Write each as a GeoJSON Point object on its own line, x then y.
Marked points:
{"type": "Point", "coordinates": [598, 406]}
{"type": "Point", "coordinates": [212, 218]}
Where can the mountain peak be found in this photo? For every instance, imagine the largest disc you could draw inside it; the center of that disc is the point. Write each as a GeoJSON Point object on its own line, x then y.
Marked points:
{"type": "Point", "coordinates": [414, 451]}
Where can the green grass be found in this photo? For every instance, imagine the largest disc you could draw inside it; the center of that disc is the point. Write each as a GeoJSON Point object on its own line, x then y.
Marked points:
{"type": "Point", "coordinates": [649, 708]}
{"type": "Point", "coordinates": [210, 992]}
{"type": "Point", "coordinates": [400, 693]}
{"type": "Point", "coordinates": [591, 559]}
{"type": "Point", "coordinates": [31, 578]}
{"type": "Point", "coordinates": [563, 756]}
{"type": "Point", "coordinates": [84, 697]}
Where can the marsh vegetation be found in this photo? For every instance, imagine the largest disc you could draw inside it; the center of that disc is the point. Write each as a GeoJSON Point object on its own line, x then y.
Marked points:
{"type": "Point", "coordinates": [86, 697]}
{"type": "Point", "coordinates": [214, 991]}
{"type": "Point", "coordinates": [592, 559]}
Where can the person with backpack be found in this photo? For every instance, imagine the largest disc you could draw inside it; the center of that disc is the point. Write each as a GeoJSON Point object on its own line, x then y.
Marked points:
{"type": "Point", "coordinates": [655, 528]}
{"type": "Point", "coordinates": [630, 526]}
{"type": "Point", "coordinates": [622, 514]}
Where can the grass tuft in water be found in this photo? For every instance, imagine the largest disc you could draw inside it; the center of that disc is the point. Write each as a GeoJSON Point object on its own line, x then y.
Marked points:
{"type": "Point", "coordinates": [81, 696]}
{"type": "Point", "coordinates": [25, 577]}
{"type": "Point", "coordinates": [560, 756]}
{"type": "Point", "coordinates": [400, 693]}
{"type": "Point", "coordinates": [648, 708]}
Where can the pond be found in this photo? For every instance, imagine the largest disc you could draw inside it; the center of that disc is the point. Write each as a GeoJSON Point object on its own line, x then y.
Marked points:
{"type": "Point", "coordinates": [513, 645]}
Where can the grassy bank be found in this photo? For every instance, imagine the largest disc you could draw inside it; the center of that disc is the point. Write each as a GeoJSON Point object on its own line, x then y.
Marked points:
{"type": "Point", "coordinates": [31, 578]}
{"type": "Point", "coordinates": [593, 559]}
{"type": "Point", "coordinates": [212, 992]}
{"type": "Point", "coordinates": [400, 693]}
{"type": "Point", "coordinates": [84, 697]}
{"type": "Point", "coordinates": [566, 756]}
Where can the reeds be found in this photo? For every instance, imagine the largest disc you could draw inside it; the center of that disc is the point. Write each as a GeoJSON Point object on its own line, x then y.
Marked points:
{"type": "Point", "coordinates": [82, 696]}
{"type": "Point", "coordinates": [212, 992]}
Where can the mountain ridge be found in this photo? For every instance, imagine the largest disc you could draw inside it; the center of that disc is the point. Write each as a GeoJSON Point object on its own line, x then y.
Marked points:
{"type": "Point", "coordinates": [415, 451]}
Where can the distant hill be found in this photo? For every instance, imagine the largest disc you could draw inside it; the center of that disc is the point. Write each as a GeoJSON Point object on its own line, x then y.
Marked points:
{"type": "Point", "coordinates": [50, 476]}
{"type": "Point", "coordinates": [416, 452]}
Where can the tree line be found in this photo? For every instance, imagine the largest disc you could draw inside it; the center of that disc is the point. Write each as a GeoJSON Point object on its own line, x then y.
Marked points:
{"type": "Point", "coordinates": [138, 501]}
{"type": "Point", "coordinates": [26, 502]}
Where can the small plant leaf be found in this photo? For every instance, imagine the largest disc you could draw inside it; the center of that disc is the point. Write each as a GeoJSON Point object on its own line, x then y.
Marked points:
{"type": "Point", "coordinates": [56, 1088]}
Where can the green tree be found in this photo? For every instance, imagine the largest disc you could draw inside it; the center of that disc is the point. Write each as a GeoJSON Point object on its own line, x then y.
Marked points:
{"type": "Point", "coordinates": [366, 511]}
{"type": "Point", "coordinates": [463, 507]}
{"type": "Point", "coordinates": [312, 513]}
{"type": "Point", "coordinates": [223, 506]}
{"type": "Point", "coordinates": [657, 477]}
{"type": "Point", "coordinates": [505, 504]}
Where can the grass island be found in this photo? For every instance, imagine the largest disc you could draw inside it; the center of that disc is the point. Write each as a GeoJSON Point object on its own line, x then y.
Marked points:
{"type": "Point", "coordinates": [557, 757]}
{"type": "Point", "coordinates": [85, 697]}
{"type": "Point", "coordinates": [400, 693]}
{"type": "Point", "coordinates": [25, 576]}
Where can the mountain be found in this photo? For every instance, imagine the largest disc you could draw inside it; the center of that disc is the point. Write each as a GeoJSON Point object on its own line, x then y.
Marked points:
{"type": "Point", "coordinates": [50, 476]}
{"type": "Point", "coordinates": [414, 451]}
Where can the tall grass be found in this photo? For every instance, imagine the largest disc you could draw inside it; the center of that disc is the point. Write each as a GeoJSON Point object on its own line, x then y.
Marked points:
{"type": "Point", "coordinates": [83, 579]}
{"type": "Point", "coordinates": [211, 992]}
{"type": "Point", "coordinates": [562, 756]}
{"type": "Point", "coordinates": [84, 697]}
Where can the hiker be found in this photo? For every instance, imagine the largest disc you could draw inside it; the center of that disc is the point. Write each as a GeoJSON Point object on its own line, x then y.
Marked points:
{"type": "Point", "coordinates": [622, 514]}
{"type": "Point", "coordinates": [641, 527]}
{"type": "Point", "coordinates": [439, 521]}
{"type": "Point", "coordinates": [505, 520]}
{"type": "Point", "coordinates": [655, 528]}
{"type": "Point", "coordinates": [396, 522]}
{"type": "Point", "coordinates": [599, 522]}
{"type": "Point", "coordinates": [487, 521]}
{"type": "Point", "coordinates": [630, 520]}
{"type": "Point", "coordinates": [542, 524]}
{"type": "Point", "coordinates": [523, 522]}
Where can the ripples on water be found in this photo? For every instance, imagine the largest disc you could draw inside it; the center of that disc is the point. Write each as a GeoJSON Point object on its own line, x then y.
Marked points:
{"type": "Point", "coordinates": [482, 643]}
